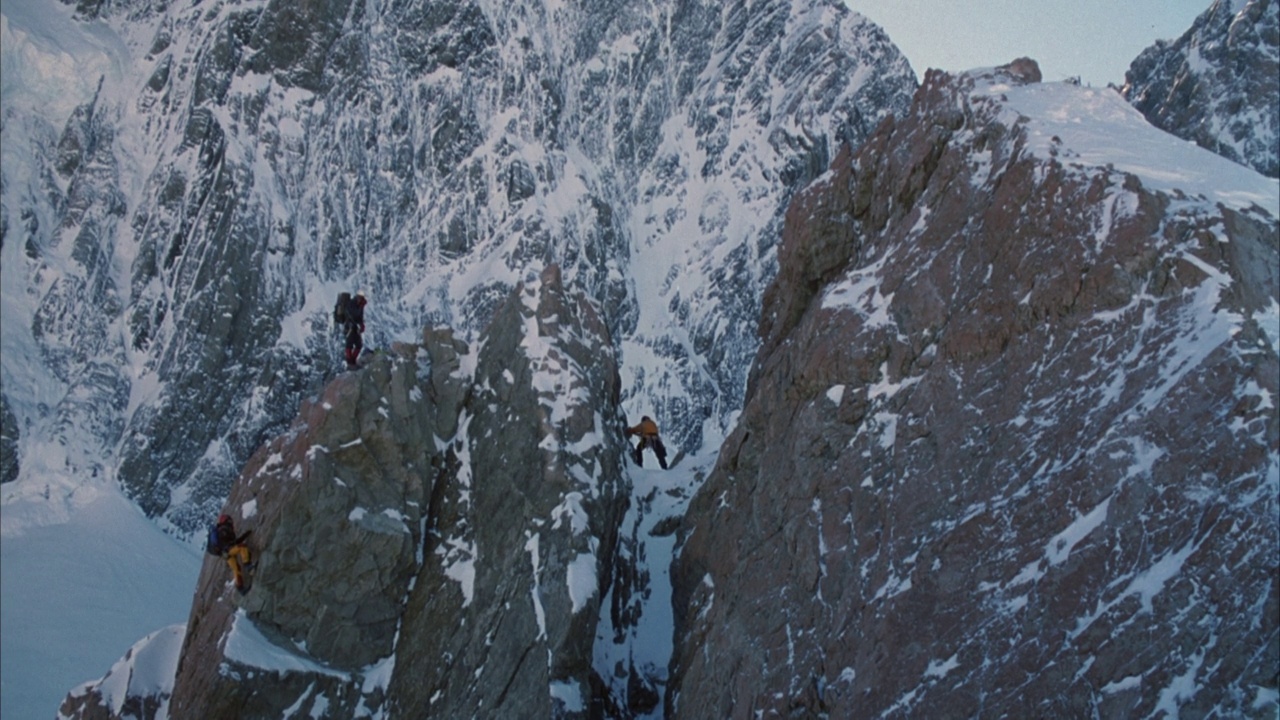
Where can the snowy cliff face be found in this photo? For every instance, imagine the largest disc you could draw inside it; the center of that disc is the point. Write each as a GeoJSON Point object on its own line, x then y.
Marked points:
{"type": "Point", "coordinates": [1219, 84]}
{"type": "Point", "coordinates": [435, 535]}
{"type": "Point", "coordinates": [1010, 444]}
{"type": "Point", "coordinates": [173, 248]}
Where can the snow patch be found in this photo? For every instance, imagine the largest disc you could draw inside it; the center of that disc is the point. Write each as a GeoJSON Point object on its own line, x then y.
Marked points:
{"type": "Point", "coordinates": [888, 424]}
{"type": "Point", "coordinates": [247, 645]}
{"type": "Point", "coordinates": [570, 508]}
{"type": "Point", "coordinates": [462, 570]}
{"type": "Point", "coordinates": [1061, 544]}
{"type": "Point", "coordinates": [581, 579]}
{"type": "Point", "coordinates": [535, 591]}
{"type": "Point", "coordinates": [1127, 683]}
{"type": "Point", "coordinates": [836, 394]}
{"type": "Point", "coordinates": [377, 676]}
{"type": "Point", "coordinates": [1269, 320]}
{"type": "Point", "coordinates": [1146, 585]}
{"type": "Point", "coordinates": [859, 291]}
{"type": "Point", "coordinates": [884, 389]}
{"type": "Point", "coordinates": [569, 695]}
{"type": "Point", "coordinates": [940, 668]}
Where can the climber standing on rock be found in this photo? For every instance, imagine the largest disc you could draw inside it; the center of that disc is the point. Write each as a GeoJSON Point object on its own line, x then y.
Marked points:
{"type": "Point", "coordinates": [647, 430]}
{"type": "Point", "coordinates": [349, 313]}
{"type": "Point", "coordinates": [224, 543]}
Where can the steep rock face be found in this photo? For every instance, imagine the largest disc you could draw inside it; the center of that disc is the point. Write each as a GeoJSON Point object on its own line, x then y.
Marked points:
{"type": "Point", "coordinates": [337, 507]}
{"type": "Point", "coordinates": [1010, 446]}
{"type": "Point", "coordinates": [523, 542]}
{"type": "Point", "coordinates": [1219, 84]}
{"type": "Point", "coordinates": [258, 157]}
{"type": "Point", "coordinates": [435, 533]}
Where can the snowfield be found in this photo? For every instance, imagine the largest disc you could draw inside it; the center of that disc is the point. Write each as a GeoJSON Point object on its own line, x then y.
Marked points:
{"type": "Point", "coordinates": [79, 593]}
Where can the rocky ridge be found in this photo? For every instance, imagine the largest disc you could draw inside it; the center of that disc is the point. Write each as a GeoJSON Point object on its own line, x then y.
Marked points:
{"type": "Point", "coordinates": [434, 535]}
{"type": "Point", "coordinates": [1219, 84]}
{"type": "Point", "coordinates": [1009, 446]}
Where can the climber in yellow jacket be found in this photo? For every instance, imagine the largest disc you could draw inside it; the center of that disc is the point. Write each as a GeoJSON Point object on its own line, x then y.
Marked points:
{"type": "Point", "coordinates": [224, 542]}
{"type": "Point", "coordinates": [647, 430]}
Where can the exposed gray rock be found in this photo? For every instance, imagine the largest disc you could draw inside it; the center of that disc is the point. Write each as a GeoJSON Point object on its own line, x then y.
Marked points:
{"type": "Point", "coordinates": [993, 463]}
{"type": "Point", "coordinates": [337, 508]}
{"type": "Point", "coordinates": [434, 535]}
{"type": "Point", "coordinates": [503, 620]}
{"type": "Point", "coordinates": [1219, 84]}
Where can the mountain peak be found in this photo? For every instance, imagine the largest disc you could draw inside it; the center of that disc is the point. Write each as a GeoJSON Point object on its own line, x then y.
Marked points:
{"type": "Point", "coordinates": [1219, 84]}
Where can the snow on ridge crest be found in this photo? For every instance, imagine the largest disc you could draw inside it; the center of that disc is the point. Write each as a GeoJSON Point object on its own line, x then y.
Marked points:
{"type": "Point", "coordinates": [1097, 128]}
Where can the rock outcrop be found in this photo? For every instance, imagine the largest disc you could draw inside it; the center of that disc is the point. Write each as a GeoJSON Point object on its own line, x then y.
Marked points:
{"type": "Point", "coordinates": [1010, 443]}
{"type": "Point", "coordinates": [434, 535]}
{"type": "Point", "coordinates": [1219, 84]}
{"type": "Point", "coordinates": [528, 526]}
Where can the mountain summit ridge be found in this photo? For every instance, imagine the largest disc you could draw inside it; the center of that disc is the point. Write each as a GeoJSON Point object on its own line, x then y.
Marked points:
{"type": "Point", "coordinates": [1014, 407]}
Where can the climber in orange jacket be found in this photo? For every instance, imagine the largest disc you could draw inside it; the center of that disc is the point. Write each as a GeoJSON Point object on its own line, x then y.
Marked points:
{"type": "Point", "coordinates": [647, 430]}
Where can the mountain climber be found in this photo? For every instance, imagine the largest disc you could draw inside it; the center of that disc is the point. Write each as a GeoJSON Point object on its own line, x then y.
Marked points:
{"type": "Point", "coordinates": [647, 430]}
{"type": "Point", "coordinates": [350, 312]}
{"type": "Point", "coordinates": [224, 542]}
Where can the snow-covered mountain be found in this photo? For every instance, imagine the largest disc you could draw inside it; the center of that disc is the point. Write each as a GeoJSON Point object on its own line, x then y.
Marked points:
{"type": "Point", "coordinates": [186, 188]}
{"type": "Point", "coordinates": [174, 248]}
{"type": "Point", "coordinates": [1219, 84]}
{"type": "Point", "coordinates": [1011, 446]}
{"type": "Point", "coordinates": [582, 205]}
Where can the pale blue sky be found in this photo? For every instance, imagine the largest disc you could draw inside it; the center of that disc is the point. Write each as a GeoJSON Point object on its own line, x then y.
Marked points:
{"type": "Point", "coordinates": [1093, 39]}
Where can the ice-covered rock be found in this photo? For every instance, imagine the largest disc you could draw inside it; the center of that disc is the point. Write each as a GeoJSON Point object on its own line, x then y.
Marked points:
{"type": "Point", "coordinates": [187, 230]}
{"type": "Point", "coordinates": [522, 548]}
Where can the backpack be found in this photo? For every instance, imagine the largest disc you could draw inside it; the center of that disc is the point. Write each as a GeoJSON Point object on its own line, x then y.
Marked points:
{"type": "Point", "coordinates": [355, 310]}
{"type": "Point", "coordinates": [212, 545]}
{"type": "Point", "coordinates": [340, 308]}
